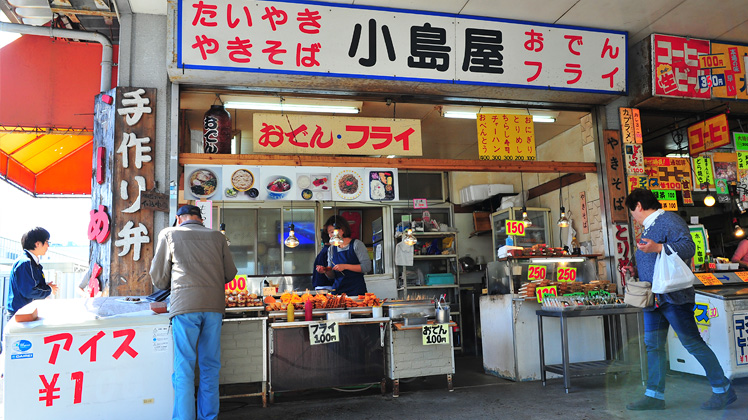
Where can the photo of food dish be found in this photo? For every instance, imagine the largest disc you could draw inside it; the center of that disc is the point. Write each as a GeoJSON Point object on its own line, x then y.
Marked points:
{"type": "Point", "coordinates": [320, 182]}
{"type": "Point", "coordinates": [203, 183]}
{"type": "Point", "coordinates": [381, 185]}
{"type": "Point", "coordinates": [348, 185]}
{"type": "Point", "coordinates": [303, 181]}
{"type": "Point", "coordinates": [306, 194]}
{"type": "Point", "coordinates": [278, 187]}
{"type": "Point", "coordinates": [242, 179]}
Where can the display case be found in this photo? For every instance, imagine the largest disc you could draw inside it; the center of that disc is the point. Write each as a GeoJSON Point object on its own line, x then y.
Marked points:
{"type": "Point", "coordinates": [538, 233]}
{"type": "Point", "coordinates": [435, 272]}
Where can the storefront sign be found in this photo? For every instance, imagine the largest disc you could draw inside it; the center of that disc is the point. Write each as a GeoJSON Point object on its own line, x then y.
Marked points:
{"type": "Point", "coordinates": [566, 274]}
{"type": "Point", "coordinates": [634, 158]}
{"type": "Point", "coordinates": [506, 137]}
{"type": "Point", "coordinates": [536, 272]}
{"type": "Point", "coordinates": [667, 198]}
{"type": "Point", "coordinates": [701, 314]}
{"type": "Point", "coordinates": [337, 40]}
{"type": "Point", "coordinates": [742, 275]}
{"type": "Point", "coordinates": [665, 173]}
{"type": "Point", "coordinates": [698, 234]}
{"type": "Point", "coordinates": [515, 227]}
{"type": "Point", "coordinates": [615, 176]}
{"type": "Point", "coordinates": [420, 203]}
{"type": "Point", "coordinates": [733, 71]}
{"type": "Point", "coordinates": [742, 160]}
{"type": "Point", "coordinates": [675, 66]}
{"type": "Point", "coordinates": [315, 134]}
{"type": "Point", "coordinates": [622, 247]}
{"type": "Point", "coordinates": [323, 333]}
{"type": "Point", "coordinates": [712, 61]}
{"type": "Point", "coordinates": [435, 334]}
{"type": "Point", "coordinates": [741, 141]}
{"type": "Point", "coordinates": [740, 332]}
{"type": "Point", "coordinates": [583, 208]}
{"type": "Point", "coordinates": [541, 291]}
{"type": "Point", "coordinates": [702, 169]}
{"type": "Point", "coordinates": [708, 134]}
{"type": "Point", "coordinates": [631, 126]}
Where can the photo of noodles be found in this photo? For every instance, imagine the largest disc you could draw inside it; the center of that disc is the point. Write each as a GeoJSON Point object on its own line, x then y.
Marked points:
{"type": "Point", "coordinates": [203, 183]}
{"type": "Point", "coordinates": [242, 180]}
{"type": "Point", "coordinates": [348, 185]}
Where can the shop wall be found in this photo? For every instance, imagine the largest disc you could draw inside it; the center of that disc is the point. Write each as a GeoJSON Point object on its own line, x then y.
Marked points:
{"type": "Point", "coordinates": [476, 246]}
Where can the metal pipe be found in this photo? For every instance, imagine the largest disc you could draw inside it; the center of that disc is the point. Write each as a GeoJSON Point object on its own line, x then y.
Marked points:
{"type": "Point", "coordinates": [106, 45]}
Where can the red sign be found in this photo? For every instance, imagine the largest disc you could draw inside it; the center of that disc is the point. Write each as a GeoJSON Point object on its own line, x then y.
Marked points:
{"type": "Point", "coordinates": [708, 134]}
{"type": "Point", "coordinates": [676, 66]}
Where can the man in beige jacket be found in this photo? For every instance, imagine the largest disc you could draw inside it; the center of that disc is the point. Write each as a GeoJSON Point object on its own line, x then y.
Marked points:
{"type": "Point", "coordinates": [195, 263]}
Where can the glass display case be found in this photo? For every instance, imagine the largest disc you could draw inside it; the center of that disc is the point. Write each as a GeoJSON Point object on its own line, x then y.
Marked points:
{"type": "Point", "coordinates": [538, 233]}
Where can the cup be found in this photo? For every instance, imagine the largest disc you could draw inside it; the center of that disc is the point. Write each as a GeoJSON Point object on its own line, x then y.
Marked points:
{"type": "Point", "coordinates": [442, 315]}
{"type": "Point", "coordinates": [376, 312]}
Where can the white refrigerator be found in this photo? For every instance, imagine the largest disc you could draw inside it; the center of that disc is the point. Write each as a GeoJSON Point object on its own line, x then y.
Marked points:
{"type": "Point", "coordinates": [89, 359]}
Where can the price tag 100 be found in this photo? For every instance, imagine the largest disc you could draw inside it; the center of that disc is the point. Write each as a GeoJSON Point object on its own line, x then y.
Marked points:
{"type": "Point", "coordinates": [323, 333]}
{"type": "Point", "coordinates": [536, 272]}
{"type": "Point", "coordinates": [540, 292]}
{"type": "Point", "coordinates": [515, 227]}
{"type": "Point", "coordinates": [435, 334]}
{"type": "Point", "coordinates": [566, 274]}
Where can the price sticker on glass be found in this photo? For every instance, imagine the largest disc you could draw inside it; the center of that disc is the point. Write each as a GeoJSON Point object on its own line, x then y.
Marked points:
{"type": "Point", "coordinates": [536, 272]}
{"type": "Point", "coordinates": [515, 227]}
{"type": "Point", "coordinates": [567, 274]}
{"type": "Point", "coordinates": [435, 334]}
{"type": "Point", "coordinates": [323, 333]}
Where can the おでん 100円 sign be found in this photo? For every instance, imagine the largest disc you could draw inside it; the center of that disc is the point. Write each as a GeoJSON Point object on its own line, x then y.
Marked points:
{"type": "Point", "coordinates": [323, 333]}
{"type": "Point", "coordinates": [435, 334]}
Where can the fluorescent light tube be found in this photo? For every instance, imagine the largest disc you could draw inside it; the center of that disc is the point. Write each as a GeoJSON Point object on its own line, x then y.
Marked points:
{"type": "Point", "coordinates": [556, 260]}
{"type": "Point", "coordinates": [472, 115]}
{"type": "Point", "coordinates": [288, 107]}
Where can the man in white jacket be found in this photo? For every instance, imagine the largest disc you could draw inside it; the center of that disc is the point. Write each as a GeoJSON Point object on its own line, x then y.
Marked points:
{"type": "Point", "coordinates": [195, 263]}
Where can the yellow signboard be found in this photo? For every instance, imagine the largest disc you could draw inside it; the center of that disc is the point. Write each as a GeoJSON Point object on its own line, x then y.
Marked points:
{"type": "Point", "coordinates": [712, 61]}
{"type": "Point", "coordinates": [315, 134]}
{"type": "Point", "coordinates": [631, 126]}
{"type": "Point", "coordinates": [733, 72]}
{"type": "Point", "coordinates": [702, 167]}
{"type": "Point", "coordinates": [743, 275]}
{"type": "Point", "coordinates": [708, 279]}
{"type": "Point", "coordinates": [506, 137]}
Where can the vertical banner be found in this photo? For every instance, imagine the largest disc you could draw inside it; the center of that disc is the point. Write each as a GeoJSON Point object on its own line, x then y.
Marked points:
{"type": "Point", "coordinates": [634, 156]}
{"type": "Point", "coordinates": [583, 206]}
{"type": "Point", "coordinates": [725, 172]}
{"type": "Point", "coordinates": [623, 251]}
{"type": "Point", "coordinates": [708, 134]}
{"type": "Point", "coordinates": [615, 177]}
{"type": "Point", "coordinates": [731, 73]}
{"type": "Point", "coordinates": [702, 169]}
{"type": "Point", "coordinates": [631, 126]}
{"type": "Point", "coordinates": [698, 234]}
{"type": "Point", "coordinates": [506, 137]}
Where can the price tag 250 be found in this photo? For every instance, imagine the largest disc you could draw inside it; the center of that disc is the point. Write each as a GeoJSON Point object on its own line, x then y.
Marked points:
{"type": "Point", "coordinates": [566, 274]}
{"type": "Point", "coordinates": [323, 333]}
{"type": "Point", "coordinates": [435, 334]}
{"type": "Point", "coordinates": [536, 272]}
{"type": "Point", "coordinates": [515, 227]}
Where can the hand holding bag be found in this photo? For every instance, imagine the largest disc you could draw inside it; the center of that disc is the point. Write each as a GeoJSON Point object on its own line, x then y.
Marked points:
{"type": "Point", "coordinates": [671, 273]}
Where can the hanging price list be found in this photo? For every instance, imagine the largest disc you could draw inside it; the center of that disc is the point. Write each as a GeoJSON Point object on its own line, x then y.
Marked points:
{"type": "Point", "coordinates": [566, 274]}
{"type": "Point", "coordinates": [515, 227]}
{"type": "Point", "coordinates": [323, 333]}
{"type": "Point", "coordinates": [435, 334]}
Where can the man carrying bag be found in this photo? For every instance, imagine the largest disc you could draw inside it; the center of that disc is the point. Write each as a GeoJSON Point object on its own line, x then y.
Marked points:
{"type": "Point", "coordinates": [666, 233]}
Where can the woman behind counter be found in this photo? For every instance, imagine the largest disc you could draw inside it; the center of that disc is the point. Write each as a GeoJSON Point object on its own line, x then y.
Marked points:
{"type": "Point", "coordinates": [347, 263]}
{"type": "Point", "coordinates": [319, 279]}
{"type": "Point", "coordinates": [741, 254]}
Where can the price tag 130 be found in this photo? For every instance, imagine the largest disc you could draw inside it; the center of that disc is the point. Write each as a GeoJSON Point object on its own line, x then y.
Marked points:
{"type": "Point", "coordinates": [435, 334]}
{"type": "Point", "coordinates": [566, 274]}
{"type": "Point", "coordinates": [536, 272]}
{"type": "Point", "coordinates": [515, 227]}
{"type": "Point", "coordinates": [540, 292]}
{"type": "Point", "coordinates": [323, 333]}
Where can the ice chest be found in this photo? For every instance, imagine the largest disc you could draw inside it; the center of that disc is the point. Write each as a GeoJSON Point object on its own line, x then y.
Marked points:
{"type": "Point", "coordinates": [442, 278]}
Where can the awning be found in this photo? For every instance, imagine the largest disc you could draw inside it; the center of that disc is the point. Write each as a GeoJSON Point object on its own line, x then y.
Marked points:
{"type": "Point", "coordinates": [47, 161]}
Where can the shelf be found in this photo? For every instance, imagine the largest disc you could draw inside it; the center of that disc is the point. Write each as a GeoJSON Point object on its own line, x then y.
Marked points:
{"type": "Point", "coordinates": [429, 234]}
{"type": "Point", "coordinates": [434, 257]}
{"type": "Point", "coordinates": [438, 286]}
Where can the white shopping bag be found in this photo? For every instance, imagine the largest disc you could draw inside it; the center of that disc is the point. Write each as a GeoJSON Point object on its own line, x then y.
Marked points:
{"type": "Point", "coordinates": [671, 273]}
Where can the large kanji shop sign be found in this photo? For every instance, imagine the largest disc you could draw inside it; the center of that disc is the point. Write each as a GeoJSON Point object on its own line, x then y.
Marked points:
{"type": "Point", "coordinates": [320, 39]}
{"type": "Point", "coordinates": [315, 134]}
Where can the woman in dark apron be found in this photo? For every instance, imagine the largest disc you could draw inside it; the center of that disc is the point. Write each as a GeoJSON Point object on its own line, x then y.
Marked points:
{"type": "Point", "coordinates": [347, 263]}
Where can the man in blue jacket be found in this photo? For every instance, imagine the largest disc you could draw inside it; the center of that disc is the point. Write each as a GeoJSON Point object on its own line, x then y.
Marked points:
{"type": "Point", "coordinates": [27, 281]}
{"type": "Point", "coordinates": [673, 309]}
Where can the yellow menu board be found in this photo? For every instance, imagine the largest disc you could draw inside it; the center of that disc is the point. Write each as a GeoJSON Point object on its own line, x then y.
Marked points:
{"type": "Point", "coordinates": [506, 137]}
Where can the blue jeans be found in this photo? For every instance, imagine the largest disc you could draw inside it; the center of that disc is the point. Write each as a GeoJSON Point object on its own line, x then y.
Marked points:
{"type": "Point", "coordinates": [680, 317]}
{"type": "Point", "coordinates": [196, 334]}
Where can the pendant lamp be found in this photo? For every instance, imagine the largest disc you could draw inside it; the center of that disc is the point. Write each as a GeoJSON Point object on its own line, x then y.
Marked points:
{"type": "Point", "coordinates": [737, 231]}
{"type": "Point", "coordinates": [563, 221]}
{"type": "Point", "coordinates": [222, 226]}
{"type": "Point", "coordinates": [409, 238]}
{"type": "Point", "coordinates": [291, 241]}
{"type": "Point", "coordinates": [709, 199]}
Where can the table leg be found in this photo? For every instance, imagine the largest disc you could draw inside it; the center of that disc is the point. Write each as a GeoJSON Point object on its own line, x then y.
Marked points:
{"type": "Point", "coordinates": [565, 352]}
{"type": "Point", "coordinates": [395, 388]}
{"type": "Point", "coordinates": [642, 346]}
{"type": "Point", "coordinates": [449, 382]}
{"type": "Point", "coordinates": [542, 353]}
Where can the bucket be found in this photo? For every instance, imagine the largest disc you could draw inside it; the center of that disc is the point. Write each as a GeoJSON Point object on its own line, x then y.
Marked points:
{"type": "Point", "coordinates": [376, 311]}
{"type": "Point", "coordinates": [442, 315]}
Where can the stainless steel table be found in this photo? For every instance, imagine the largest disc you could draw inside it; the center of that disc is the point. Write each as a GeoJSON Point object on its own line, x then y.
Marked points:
{"type": "Point", "coordinates": [614, 364]}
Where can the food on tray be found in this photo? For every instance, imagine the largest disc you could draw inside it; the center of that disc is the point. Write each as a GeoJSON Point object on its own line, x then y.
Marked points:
{"type": "Point", "coordinates": [320, 182]}
{"type": "Point", "coordinates": [242, 180]}
{"type": "Point", "coordinates": [306, 194]}
{"type": "Point", "coordinates": [381, 185]}
{"type": "Point", "coordinates": [280, 184]}
{"type": "Point", "coordinates": [348, 184]}
{"type": "Point", "coordinates": [203, 182]}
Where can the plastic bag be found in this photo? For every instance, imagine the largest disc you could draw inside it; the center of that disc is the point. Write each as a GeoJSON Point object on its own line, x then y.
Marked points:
{"type": "Point", "coordinates": [671, 273]}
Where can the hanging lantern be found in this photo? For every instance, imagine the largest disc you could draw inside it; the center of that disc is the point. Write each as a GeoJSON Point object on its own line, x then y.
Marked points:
{"type": "Point", "coordinates": [217, 130]}
{"type": "Point", "coordinates": [291, 241]}
{"type": "Point", "coordinates": [409, 238]}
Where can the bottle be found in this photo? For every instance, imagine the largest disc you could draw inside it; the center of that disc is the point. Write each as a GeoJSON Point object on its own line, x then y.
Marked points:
{"type": "Point", "coordinates": [289, 312]}
{"type": "Point", "coordinates": [217, 130]}
{"type": "Point", "coordinates": [509, 241]}
{"type": "Point", "coordinates": [576, 248]}
{"type": "Point", "coordinates": [308, 310]}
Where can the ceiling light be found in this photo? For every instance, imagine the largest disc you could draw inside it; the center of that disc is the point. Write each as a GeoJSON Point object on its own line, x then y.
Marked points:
{"type": "Point", "coordinates": [471, 112]}
{"type": "Point", "coordinates": [409, 238]}
{"type": "Point", "coordinates": [526, 220]}
{"type": "Point", "coordinates": [390, 156]}
{"type": "Point", "coordinates": [293, 105]}
{"type": "Point", "coordinates": [556, 260]}
{"type": "Point", "coordinates": [563, 221]}
{"type": "Point", "coordinates": [709, 200]}
{"type": "Point", "coordinates": [738, 231]}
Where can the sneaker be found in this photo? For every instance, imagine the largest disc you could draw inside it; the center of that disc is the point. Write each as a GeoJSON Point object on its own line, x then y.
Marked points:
{"type": "Point", "coordinates": [720, 401]}
{"type": "Point", "coordinates": [646, 403]}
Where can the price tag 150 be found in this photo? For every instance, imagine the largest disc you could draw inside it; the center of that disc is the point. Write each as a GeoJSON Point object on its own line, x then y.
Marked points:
{"type": "Point", "coordinates": [515, 227]}
{"type": "Point", "coordinates": [435, 334]}
{"type": "Point", "coordinates": [323, 333]}
{"type": "Point", "coordinates": [540, 292]}
{"type": "Point", "coordinates": [536, 272]}
{"type": "Point", "coordinates": [566, 274]}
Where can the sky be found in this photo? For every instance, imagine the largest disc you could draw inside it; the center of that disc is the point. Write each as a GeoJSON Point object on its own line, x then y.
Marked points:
{"type": "Point", "coordinates": [66, 219]}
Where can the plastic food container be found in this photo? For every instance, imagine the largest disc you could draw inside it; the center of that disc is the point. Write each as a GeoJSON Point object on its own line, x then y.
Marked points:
{"type": "Point", "coordinates": [724, 267]}
{"type": "Point", "coordinates": [338, 315]}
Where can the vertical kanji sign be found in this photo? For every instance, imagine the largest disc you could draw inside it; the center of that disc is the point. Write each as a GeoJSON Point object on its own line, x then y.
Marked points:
{"type": "Point", "coordinates": [506, 137]}
{"type": "Point", "coordinates": [631, 126]}
{"type": "Point", "coordinates": [615, 175]}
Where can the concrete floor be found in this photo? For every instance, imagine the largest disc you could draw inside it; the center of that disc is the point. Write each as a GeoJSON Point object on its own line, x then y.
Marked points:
{"type": "Point", "coordinates": [480, 396]}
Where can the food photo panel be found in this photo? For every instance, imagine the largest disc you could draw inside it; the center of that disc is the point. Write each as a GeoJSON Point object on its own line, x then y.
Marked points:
{"type": "Point", "coordinates": [348, 184]}
{"type": "Point", "coordinates": [241, 183]}
{"type": "Point", "coordinates": [382, 184]}
{"type": "Point", "coordinates": [202, 182]}
{"type": "Point", "coordinates": [313, 183]}
{"type": "Point", "coordinates": [278, 183]}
